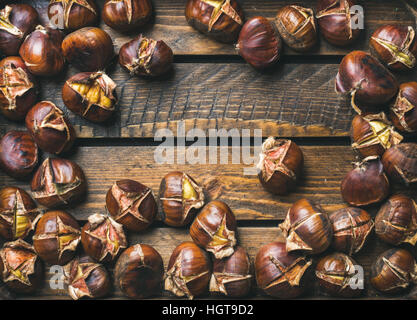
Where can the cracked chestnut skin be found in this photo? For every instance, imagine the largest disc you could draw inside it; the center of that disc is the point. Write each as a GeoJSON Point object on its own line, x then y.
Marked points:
{"type": "Point", "coordinates": [50, 128]}
{"type": "Point", "coordinates": [126, 15]}
{"type": "Point", "coordinates": [139, 271]}
{"type": "Point", "coordinates": [282, 274]}
{"type": "Point", "coordinates": [400, 163]}
{"type": "Point", "coordinates": [18, 154]}
{"type": "Point", "coordinates": [56, 237]}
{"type": "Point", "coordinates": [212, 21]}
{"type": "Point", "coordinates": [18, 88]}
{"type": "Point", "coordinates": [23, 19]}
{"type": "Point", "coordinates": [403, 114]}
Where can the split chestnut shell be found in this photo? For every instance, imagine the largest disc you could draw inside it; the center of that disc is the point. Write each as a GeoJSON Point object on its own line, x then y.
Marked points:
{"type": "Point", "coordinates": [404, 111]}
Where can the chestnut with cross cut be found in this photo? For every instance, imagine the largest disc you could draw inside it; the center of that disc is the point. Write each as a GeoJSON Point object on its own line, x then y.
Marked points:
{"type": "Point", "coordinates": [146, 57]}
{"type": "Point", "coordinates": [280, 165]}
{"type": "Point", "coordinates": [219, 19]}
{"type": "Point", "coordinates": [91, 95]}
{"type": "Point", "coordinates": [58, 182]}
{"type": "Point", "coordinates": [72, 14]}
{"type": "Point", "coordinates": [103, 238]}
{"type": "Point", "coordinates": [180, 198]}
{"type": "Point", "coordinates": [132, 204]}
{"type": "Point", "coordinates": [56, 237]}
{"type": "Point", "coordinates": [18, 88]}
{"type": "Point", "coordinates": [403, 113]}
{"type": "Point", "coordinates": [20, 267]}
{"type": "Point", "coordinates": [400, 163]}
{"type": "Point", "coordinates": [18, 213]}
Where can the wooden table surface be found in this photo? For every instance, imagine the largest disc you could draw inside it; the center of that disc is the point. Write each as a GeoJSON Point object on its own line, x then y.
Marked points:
{"type": "Point", "coordinates": [211, 87]}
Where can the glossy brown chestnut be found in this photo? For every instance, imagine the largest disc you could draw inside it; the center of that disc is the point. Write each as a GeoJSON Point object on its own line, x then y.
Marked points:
{"type": "Point", "coordinates": [307, 228]}
{"type": "Point", "coordinates": [18, 154]}
{"type": "Point", "coordinates": [189, 271]}
{"type": "Point", "coordinates": [72, 14]}
{"type": "Point", "coordinates": [86, 278]}
{"type": "Point", "coordinates": [393, 271]}
{"type": "Point", "coordinates": [126, 15]}
{"type": "Point", "coordinates": [180, 198]}
{"type": "Point", "coordinates": [280, 165]}
{"type": "Point", "coordinates": [372, 134]}
{"type": "Point", "coordinates": [58, 182]}
{"type": "Point", "coordinates": [88, 49]}
{"type": "Point", "coordinates": [335, 18]}
{"type": "Point", "coordinates": [18, 88]}
{"type": "Point", "coordinates": [395, 46]}
{"type": "Point", "coordinates": [400, 163]}
{"type": "Point", "coordinates": [18, 213]}
{"type": "Point", "coordinates": [336, 274]}
{"type": "Point", "coordinates": [219, 19]}
{"type": "Point", "coordinates": [16, 22]}
{"type": "Point", "coordinates": [404, 111]}
{"type": "Point", "coordinates": [351, 229]}
{"type": "Point", "coordinates": [56, 237]}
{"type": "Point", "coordinates": [42, 52]}
{"type": "Point", "coordinates": [282, 274]}
{"type": "Point", "coordinates": [232, 276]}
{"type": "Point", "coordinates": [146, 57]}
{"type": "Point", "coordinates": [396, 221]}
{"type": "Point", "coordinates": [366, 81]}
{"type": "Point", "coordinates": [91, 95]}
{"type": "Point", "coordinates": [103, 238]}
{"type": "Point", "coordinates": [132, 204]}
{"type": "Point", "coordinates": [366, 184]}
{"type": "Point", "coordinates": [20, 267]}
{"type": "Point", "coordinates": [139, 271]}
{"type": "Point", "coordinates": [50, 128]}
{"type": "Point", "coordinates": [297, 27]}
{"type": "Point", "coordinates": [214, 229]}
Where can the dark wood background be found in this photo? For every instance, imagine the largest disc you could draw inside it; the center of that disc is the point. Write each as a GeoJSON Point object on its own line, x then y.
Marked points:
{"type": "Point", "coordinates": [212, 87]}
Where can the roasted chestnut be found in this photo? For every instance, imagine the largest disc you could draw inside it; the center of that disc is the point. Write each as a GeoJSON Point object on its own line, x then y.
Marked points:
{"type": "Point", "coordinates": [395, 46]}
{"type": "Point", "coordinates": [219, 19]}
{"type": "Point", "coordinates": [338, 276]}
{"type": "Point", "coordinates": [20, 267]}
{"type": "Point", "coordinates": [92, 95]}
{"type": "Point", "coordinates": [103, 238]}
{"type": "Point", "coordinates": [85, 278]}
{"type": "Point", "coordinates": [132, 204]}
{"type": "Point", "coordinates": [16, 22]}
{"type": "Point", "coordinates": [18, 154]}
{"type": "Point", "coordinates": [280, 165]}
{"type": "Point", "coordinates": [139, 271]}
{"type": "Point", "coordinates": [366, 81]}
{"type": "Point", "coordinates": [214, 229]}
{"type": "Point", "coordinates": [56, 237]}
{"type": "Point", "coordinates": [372, 134]}
{"type": "Point", "coordinates": [366, 184]}
{"type": "Point", "coordinates": [88, 49]}
{"type": "Point", "coordinates": [72, 14]}
{"type": "Point", "coordinates": [400, 163]}
{"type": "Point", "coordinates": [297, 27]}
{"type": "Point", "coordinates": [351, 229]}
{"type": "Point", "coordinates": [232, 276]}
{"type": "Point", "coordinates": [307, 228]}
{"type": "Point", "coordinates": [41, 52]}
{"type": "Point", "coordinates": [58, 182]}
{"type": "Point", "coordinates": [180, 198]}
{"type": "Point", "coordinates": [396, 221]}
{"type": "Point", "coordinates": [18, 88]}
{"type": "Point", "coordinates": [282, 274]}
{"type": "Point", "coordinates": [334, 18]}
{"type": "Point", "coordinates": [18, 213]}
{"type": "Point", "coordinates": [126, 15]}
{"type": "Point", "coordinates": [393, 271]}
{"type": "Point", "coordinates": [404, 111]}
{"type": "Point", "coordinates": [50, 128]}
{"type": "Point", "coordinates": [259, 43]}
{"type": "Point", "coordinates": [146, 57]}
{"type": "Point", "coordinates": [189, 271]}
